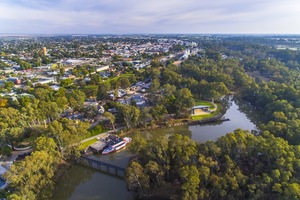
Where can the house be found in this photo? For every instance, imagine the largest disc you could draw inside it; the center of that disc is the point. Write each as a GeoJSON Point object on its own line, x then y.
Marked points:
{"type": "Point", "coordinates": [15, 80]}
{"type": "Point", "coordinates": [102, 68]}
{"type": "Point", "coordinates": [72, 62]}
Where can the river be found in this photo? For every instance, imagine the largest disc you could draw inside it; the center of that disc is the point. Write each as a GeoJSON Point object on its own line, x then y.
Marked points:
{"type": "Point", "coordinates": [85, 183]}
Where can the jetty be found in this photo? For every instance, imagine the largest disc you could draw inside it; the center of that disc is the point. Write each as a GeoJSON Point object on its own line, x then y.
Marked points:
{"type": "Point", "coordinates": [215, 119]}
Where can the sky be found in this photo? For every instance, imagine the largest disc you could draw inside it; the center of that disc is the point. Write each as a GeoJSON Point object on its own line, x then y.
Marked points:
{"type": "Point", "coordinates": [149, 16]}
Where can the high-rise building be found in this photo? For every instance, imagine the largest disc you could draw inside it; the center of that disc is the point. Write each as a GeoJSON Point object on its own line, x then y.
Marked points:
{"type": "Point", "coordinates": [44, 51]}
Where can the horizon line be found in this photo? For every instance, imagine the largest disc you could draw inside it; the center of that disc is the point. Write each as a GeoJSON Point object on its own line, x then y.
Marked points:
{"type": "Point", "coordinates": [126, 34]}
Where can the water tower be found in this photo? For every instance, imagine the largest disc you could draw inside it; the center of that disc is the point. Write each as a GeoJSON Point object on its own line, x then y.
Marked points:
{"type": "Point", "coordinates": [44, 51]}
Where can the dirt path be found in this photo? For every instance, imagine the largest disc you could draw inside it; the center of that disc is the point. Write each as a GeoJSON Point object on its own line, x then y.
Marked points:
{"type": "Point", "coordinates": [215, 107]}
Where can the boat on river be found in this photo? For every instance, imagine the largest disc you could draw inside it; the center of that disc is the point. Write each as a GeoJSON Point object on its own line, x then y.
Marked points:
{"type": "Point", "coordinates": [120, 143]}
{"type": "Point", "coordinates": [108, 150]}
{"type": "Point", "coordinates": [127, 139]}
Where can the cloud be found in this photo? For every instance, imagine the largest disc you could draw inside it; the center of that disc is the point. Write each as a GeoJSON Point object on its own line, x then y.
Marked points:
{"type": "Point", "coordinates": [155, 16]}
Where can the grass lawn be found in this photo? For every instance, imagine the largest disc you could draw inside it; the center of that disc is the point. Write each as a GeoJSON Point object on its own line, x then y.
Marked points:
{"type": "Point", "coordinates": [84, 145]}
{"type": "Point", "coordinates": [199, 102]}
{"type": "Point", "coordinates": [127, 75]}
{"type": "Point", "coordinates": [219, 108]}
{"type": "Point", "coordinates": [199, 117]}
{"type": "Point", "coordinates": [211, 106]}
{"type": "Point", "coordinates": [97, 130]}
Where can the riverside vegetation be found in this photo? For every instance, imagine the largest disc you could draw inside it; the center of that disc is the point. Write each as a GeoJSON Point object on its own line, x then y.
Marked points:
{"type": "Point", "coordinates": [239, 165]}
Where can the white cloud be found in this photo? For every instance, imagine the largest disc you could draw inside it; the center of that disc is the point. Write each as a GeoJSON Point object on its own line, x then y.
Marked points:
{"type": "Point", "coordinates": [136, 16]}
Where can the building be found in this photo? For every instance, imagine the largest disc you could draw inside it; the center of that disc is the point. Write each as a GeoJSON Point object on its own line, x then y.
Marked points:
{"type": "Point", "coordinates": [44, 51]}
{"type": "Point", "coordinates": [15, 80]}
{"type": "Point", "coordinates": [73, 62]}
{"type": "Point", "coordinates": [197, 110]}
{"type": "Point", "coordinates": [102, 68]}
{"type": "Point", "coordinates": [97, 146]}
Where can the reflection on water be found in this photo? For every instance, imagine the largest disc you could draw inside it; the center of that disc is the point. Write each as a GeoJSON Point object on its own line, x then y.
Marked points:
{"type": "Point", "coordinates": [120, 158]}
{"type": "Point", "coordinates": [166, 132]}
{"type": "Point", "coordinates": [203, 133]}
{"type": "Point", "coordinates": [82, 183]}
{"type": "Point", "coordinates": [206, 132]}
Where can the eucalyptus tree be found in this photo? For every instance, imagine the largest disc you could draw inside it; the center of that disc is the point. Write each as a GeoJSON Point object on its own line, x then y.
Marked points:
{"type": "Point", "coordinates": [12, 125]}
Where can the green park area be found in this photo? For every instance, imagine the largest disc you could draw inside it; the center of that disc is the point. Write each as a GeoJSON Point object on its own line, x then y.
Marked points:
{"type": "Point", "coordinates": [85, 144]}
{"type": "Point", "coordinates": [95, 130]}
{"type": "Point", "coordinates": [214, 110]}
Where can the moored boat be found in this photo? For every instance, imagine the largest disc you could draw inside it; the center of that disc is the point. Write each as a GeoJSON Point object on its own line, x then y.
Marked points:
{"type": "Point", "coordinates": [108, 150]}
{"type": "Point", "coordinates": [127, 139]}
{"type": "Point", "coordinates": [120, 145]}
{"type": "Point", "coordinates": [117, 145]}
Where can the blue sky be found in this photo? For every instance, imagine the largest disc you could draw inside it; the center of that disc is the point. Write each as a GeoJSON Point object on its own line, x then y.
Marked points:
{"type": "Point", "coordinates": [149, 16]}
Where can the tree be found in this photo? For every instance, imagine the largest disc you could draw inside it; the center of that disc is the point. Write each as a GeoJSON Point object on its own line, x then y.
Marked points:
{"type": "Point", "coordinates": [182, 151]}
{"type": "Point", "coordinates": [44, 94]}
{"type": "Point", "coordinates": [217, 90]}
{"type": "Point", "coordinates": [90, 90]}
{"type": "Point", "coordinates": [170, 77]}
{"type": "Point", "coordinates": [158, 112]}
{"type": "Point", "coordinates": [61, 102]}
{"type": "Point", "coordinates": [154, 73]}
{"type": "Point", "coordinates": [67, 135]}
{"type": "Point", "coordinates": [154, 86]}
{"type": "Point", "coordinates": [136, 178]}
{"type": "Point", "coordinates": [32, 111]}
{"type": "Point", "coordinates": [190, 182]}
{"type": "Point", "coordinates": [138, 144]}
{"type": "Point", "coordinates": [184, 101]}
{"type": "Point", "coordinates": [66, 82]}
{"type": "Point", "coordinates": [95, 79]}
{"type": "Point", "coordinates": [12, 125]}
{"type": "Point", "coordinates": [292, 191]}
{"type": "Point", "coordinates": [49, 110]}
{"type": "Point", "coordinates": [25, 100]}
{"type": "Point", "coordinates": [111, 118]}
{"type": "Point", "coordinates": [32, 177]}
{"type": "Point", "coordinates": [8, 85]}
{"type": "Point", "coordinates": [76, 99]}
{"type": "Point", "coordinates": [103, 88]}
{"type": "Point", "coordinates": [130, 115]}
{"type": "Point", "coordinates": [124, 82]}
{"type": "Point", "coordinates": [168, 90]}
{"type": "Point", "coordinates": [154, 172]}
{"type": "Point", "coordinates": [48, 145]}
{"type": "Point", "coordinates": [145, 116]}
{"type": "Point", "coordinates": [155, 64]}
{"type": "Point", "coordinates": [3, 102]}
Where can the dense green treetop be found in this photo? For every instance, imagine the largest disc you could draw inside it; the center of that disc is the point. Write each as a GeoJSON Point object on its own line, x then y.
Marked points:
{"type": "Point", "coordinates": [237, 166]}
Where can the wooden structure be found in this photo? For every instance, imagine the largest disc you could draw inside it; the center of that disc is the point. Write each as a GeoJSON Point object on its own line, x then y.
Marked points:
{"type": "Point", "coordinates": [102, 166]}
{"type": "Point", "coordinates": [98, 146]}
{"type": "Point", "coordinates": [196, 110]}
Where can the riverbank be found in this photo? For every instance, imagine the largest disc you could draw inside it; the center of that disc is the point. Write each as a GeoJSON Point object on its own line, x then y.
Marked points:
{"type": "Point", "coordinates": [81, 182]}
{"type": "Point", "coordinates": [216, 115]}
{"type": "Point", "coordinates": [66, 168]}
